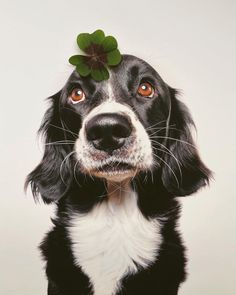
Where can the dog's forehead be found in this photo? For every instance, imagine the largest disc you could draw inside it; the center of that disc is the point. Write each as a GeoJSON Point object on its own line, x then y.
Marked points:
{"type": "Point", "coordinates": [130, 68]}
{"type": "Point", "coordinates": [133, 65]}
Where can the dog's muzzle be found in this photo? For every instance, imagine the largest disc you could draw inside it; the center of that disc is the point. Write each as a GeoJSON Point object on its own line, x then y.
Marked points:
{"type": "Point", "coordinates": [113, 145]}
{"type": "Point", "coordinates": [108, 132]}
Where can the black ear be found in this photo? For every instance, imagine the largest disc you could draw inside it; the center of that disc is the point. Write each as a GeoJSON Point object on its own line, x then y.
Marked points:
{"type": "Point", "coordinates": [52, 176]}
{"type": "Point", "coordinates": [185, 173]}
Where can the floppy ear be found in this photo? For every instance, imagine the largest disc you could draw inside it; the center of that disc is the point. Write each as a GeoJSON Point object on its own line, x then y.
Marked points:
{"type": "Point", "coordinates": [48, 179]}
{"type": "Point", "coordinates": [185, 173]}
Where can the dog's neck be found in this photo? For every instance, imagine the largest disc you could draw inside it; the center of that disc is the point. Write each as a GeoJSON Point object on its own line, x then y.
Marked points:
{"type": "Point", "coordinates": [117, 191]}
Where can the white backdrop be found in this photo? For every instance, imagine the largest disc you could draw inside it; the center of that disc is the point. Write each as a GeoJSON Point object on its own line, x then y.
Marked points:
{"type": "Point", "coordinates": [192, 45]}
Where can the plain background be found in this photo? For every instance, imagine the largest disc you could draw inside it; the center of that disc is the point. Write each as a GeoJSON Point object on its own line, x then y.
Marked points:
{"type": "Point", "coordinates": [192, 44]}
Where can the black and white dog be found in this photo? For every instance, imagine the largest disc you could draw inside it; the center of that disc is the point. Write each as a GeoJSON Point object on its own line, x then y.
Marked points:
{"type": "Point", "coordinates": [117, 154]}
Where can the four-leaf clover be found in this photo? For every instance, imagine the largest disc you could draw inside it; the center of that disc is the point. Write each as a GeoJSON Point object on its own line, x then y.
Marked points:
{"type": "Point", "coordinates": [101, 52]}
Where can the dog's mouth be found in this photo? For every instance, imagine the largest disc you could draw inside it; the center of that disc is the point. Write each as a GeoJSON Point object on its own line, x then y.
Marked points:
{"type": "Point", "coordinates": [115, 169]}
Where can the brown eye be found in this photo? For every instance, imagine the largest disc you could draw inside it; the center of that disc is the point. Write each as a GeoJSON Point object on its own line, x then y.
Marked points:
{"type": "Point", "coordinates": [146, 90]}
{"type": "Point", "coordinates": [77, 95]}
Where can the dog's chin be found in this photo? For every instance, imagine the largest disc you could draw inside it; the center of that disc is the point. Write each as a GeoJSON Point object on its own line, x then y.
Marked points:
{"type": "Point", "coordinates": [116, 172]}
{"type": "Point", "coordinates": [115, 176]}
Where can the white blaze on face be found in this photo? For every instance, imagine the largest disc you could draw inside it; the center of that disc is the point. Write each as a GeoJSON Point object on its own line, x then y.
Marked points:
{"type": "Point", "coordinates": [138, 153]}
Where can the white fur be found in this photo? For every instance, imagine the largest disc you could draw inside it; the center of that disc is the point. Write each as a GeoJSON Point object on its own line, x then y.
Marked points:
{"type": "Point", "coordinates": [111, 95]}
{"type": "Point", "coordinates": [107, 240]}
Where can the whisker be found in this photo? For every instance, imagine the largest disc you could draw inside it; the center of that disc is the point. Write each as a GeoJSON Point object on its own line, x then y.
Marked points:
{"type": "Point", "coordinates": [150, 127]}
{"type": "Point", "coordinates": [135, 173]}
{"type": "Point", "coordinates": [73, 133]}
{"type": "Point", "coordinates": [66, 157]}
{"type": "Point", "coordinates": [170, 152]}
{"type": "Point", "coordinates": [64, 129]}
{"type": "Point", "coordinates": [163, 128]}
{"type": "Point", "coordinates": [90, 175]}
{"type": "Point", "coordinates": [146, 177]}
{"type": "Point", "coordinates": [179, 140]}
{"type": "Point", "coordinates": [152, 176]}
{"type": "Point", "coordinates": [169, 168]}
{"type": "Point", "coordinates": [102, 196]}
{"type": "Point", "coordinates": [117, 188]}
{"type": "Point", "coordinates": [60, 143]}
{"type": "Point", "coordinates": [74, 173]}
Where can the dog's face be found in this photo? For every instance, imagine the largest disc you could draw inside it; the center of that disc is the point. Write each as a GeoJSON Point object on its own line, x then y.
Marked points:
{"type": "Point", "coordinates": [117, 129]}
{"type": "Point", "coordinates": [116, 120]}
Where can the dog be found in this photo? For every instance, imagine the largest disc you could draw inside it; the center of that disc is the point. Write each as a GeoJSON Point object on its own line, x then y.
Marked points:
{"type": "Point", "coordinates": [117, 154]}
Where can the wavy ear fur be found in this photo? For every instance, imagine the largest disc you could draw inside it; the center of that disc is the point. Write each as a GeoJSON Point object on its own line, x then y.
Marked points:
{"type": "Point", "coordinates": [186, 172]}
{"type": "Point", "coordinates": [48, 179]}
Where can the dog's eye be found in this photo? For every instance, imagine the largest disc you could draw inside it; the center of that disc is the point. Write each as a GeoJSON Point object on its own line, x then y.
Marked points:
{"type": "Point", "coordinates": [146, 90]}
{"type": "Point", "coordinates": [77, 95]}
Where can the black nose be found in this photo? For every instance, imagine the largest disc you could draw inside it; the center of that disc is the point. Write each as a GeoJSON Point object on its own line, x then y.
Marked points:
{"type": "Point", "coordinates": [108, 131]}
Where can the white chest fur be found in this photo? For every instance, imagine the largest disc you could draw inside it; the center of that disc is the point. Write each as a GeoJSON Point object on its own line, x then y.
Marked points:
{"type": "Point", "coordinates": [107, 240]}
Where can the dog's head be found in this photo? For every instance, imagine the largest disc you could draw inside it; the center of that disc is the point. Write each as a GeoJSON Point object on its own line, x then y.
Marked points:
{"type": "Point", "coordinates": [115, 130]}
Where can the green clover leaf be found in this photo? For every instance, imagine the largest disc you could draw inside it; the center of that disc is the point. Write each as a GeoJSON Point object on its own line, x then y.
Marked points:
{"type": "Point", "coordinates": [76, 59]}
{"type": "Point", "coordinates": [83, 69]}
{"type": "Point", "coordinates": [98, 36]}
{"type": "Point", "coordinates": [101, 53]}
{"type": "Point", "coordinates": [83, 41]}
{"type": "Point", "coordinates": [113, 57]}
{"type": "Point", "coordinates": [109, 44]}
{"type": "Point", "coordinates": [100, 74]}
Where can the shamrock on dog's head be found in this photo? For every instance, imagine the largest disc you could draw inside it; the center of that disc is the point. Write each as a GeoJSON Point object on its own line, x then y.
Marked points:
{"type": "Point", "coordinates": [101, 52]}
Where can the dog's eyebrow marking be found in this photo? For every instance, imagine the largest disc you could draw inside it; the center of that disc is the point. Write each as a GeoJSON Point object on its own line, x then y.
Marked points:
{"type": "Point", "coordinates": [90, 86]}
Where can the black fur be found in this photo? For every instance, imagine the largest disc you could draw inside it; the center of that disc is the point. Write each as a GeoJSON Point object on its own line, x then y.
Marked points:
{"type": "Point", "coordinates": [156, 189]}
